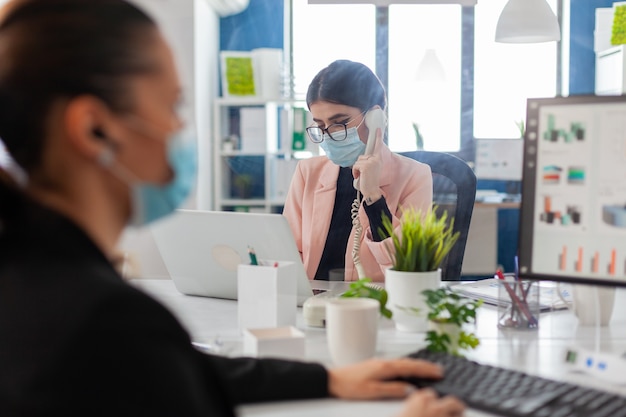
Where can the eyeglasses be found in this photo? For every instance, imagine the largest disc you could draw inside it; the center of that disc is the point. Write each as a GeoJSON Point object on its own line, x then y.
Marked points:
{"type": "Point", "coordinates": [336, 131]}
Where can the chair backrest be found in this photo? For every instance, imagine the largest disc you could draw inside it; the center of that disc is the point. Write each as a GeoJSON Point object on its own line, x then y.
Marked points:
{"type": "Point", "coordinates": [454, 190]}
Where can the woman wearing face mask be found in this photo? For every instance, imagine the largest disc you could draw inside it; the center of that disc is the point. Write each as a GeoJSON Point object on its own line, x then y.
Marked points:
{"type": "Point", "coordinates": [318, 205]}
{"type": "Point", "coordinates": [88, 92]}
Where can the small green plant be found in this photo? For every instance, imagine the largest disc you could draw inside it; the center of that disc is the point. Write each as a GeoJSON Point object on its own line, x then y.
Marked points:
{"type": "Point", "coordinates": [423, 242]}
{"type": "Point", "coordinates": [419, 139]}
{"type": "Point", "coordinates": [243, 185]}
{"type": "Point", "coordinates": [446, 307]}
{"type": "Point", "coordinates": [364, 288]}
{"type": "Point", "coordinates": [618, 31]}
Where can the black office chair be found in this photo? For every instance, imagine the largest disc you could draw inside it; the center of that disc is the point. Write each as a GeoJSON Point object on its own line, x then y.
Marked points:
{"type": "Point", "coordinates": [454, 190]}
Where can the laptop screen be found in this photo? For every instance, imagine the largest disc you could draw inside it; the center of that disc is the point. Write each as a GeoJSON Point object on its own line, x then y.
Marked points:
{"type": "Point", "coordinates": [202, 249]}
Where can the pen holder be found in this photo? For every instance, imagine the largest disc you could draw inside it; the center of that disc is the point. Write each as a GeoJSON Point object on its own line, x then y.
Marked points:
{"type": "Point", "coordinates": [266, 295]}
{"type": "Point", "coordinates": [518, 304]}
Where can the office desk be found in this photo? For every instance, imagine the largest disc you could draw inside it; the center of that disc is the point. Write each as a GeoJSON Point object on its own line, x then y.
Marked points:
{"type": "Point", "coordinates": [537, 352]}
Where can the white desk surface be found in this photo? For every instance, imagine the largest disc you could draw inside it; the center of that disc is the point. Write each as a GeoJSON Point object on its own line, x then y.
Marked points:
{"type": "Point", "coordinates": [538, 352]}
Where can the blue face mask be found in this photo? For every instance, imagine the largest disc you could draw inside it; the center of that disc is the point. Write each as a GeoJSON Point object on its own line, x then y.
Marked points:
{"type": "Point", "coordinates": [345, 152]}
{"type": "Point", "coordinates": [152, 202]}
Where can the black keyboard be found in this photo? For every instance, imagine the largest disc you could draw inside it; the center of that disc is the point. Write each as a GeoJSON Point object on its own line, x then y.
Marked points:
{"type": "Point", "coordinates": [516, 394]}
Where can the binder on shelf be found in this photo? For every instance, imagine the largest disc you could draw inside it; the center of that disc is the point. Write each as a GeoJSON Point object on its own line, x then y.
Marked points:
{"type": "Point", "coordinates": [253, 129]}
{"type": "Point", "coordinates": [281, 173]}
{"type": "Point", "coordinates": [299, 125]}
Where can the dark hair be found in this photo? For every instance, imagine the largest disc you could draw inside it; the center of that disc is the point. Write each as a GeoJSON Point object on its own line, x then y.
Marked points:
{"type": "Point", "coordinates": [349, 83]}
{"type": "Point", "coordinates": [52, 49]}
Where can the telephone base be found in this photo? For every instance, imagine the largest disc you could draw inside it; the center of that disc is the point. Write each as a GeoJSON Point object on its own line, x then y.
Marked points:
{"type": "Point", "coordinates": [314, 308]}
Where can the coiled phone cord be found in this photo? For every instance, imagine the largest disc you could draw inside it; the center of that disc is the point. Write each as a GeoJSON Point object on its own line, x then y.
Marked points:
{"type": "Point", "coordinates": [358, 232]}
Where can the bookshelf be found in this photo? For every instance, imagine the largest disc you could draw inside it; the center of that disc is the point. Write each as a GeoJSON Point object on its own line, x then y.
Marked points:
{"type": "Point", "coordinates": [257, 144]}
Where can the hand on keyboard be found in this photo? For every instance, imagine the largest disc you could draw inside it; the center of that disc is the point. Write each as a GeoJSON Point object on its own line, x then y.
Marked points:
{"type": "Point", "coordinates": [377, 378]}
{"type": "Point", "coordinates": [516, 394]}
{"type": "Point", "coordinates": [424, 403]}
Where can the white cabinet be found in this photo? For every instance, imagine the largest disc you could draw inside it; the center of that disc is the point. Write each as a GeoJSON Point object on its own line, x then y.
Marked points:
{"type": "Point", "coordinates": [610, 74]}
{"type": "Point", "coordinates": [257, 144]}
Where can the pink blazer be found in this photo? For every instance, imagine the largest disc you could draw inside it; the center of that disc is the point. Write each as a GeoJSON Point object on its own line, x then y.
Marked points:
{"type": "Point", "coordinates": [308, 209]}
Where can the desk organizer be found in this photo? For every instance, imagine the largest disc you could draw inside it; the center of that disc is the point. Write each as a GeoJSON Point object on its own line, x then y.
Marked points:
{"type": "Point", "coordinates": [277, 342]}
{"type": "Point", "coordinates": [519, 307]}
{"type": "Point", "coordinates": [266, 295]}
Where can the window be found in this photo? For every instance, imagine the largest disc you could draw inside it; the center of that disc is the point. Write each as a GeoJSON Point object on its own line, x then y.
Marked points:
{"type": "Point", "coordinates": [424, 76]}
{"type": "Point", "coordinates": [323, 34]}
{"type": "Point", "coordinates": [505, 75]}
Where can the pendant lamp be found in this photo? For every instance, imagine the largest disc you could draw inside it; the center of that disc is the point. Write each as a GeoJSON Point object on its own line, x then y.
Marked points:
{"type": "Point", "coordinates": [527, 21]}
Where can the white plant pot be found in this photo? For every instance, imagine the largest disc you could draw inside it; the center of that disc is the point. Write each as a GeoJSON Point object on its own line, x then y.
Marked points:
{"type": "Point", "coordinates": [406, 300]}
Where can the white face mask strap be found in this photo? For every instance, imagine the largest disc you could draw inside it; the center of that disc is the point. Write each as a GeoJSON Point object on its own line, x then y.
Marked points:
{"type": "Point", "coordinates": [106, 159]}
{"type": "Point", "coordinates": [362, 120]}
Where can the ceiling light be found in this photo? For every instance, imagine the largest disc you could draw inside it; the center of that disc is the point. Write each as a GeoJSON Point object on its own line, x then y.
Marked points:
{"type": "Point", "coordinates": [527, 21]}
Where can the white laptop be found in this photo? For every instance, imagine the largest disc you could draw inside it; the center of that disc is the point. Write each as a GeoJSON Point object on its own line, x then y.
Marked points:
{"type": "Point", "coordinates": [202, 249]}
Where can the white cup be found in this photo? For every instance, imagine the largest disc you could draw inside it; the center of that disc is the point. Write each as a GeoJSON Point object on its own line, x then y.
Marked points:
{"type": "Point", "coordinates": [351, 329]}
{"type": "Point", "coordinates": [587, 300]}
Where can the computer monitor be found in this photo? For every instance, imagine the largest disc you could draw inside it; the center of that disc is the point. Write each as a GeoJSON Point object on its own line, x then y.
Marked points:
{"type": "Point", "coordinates": [573, 212]}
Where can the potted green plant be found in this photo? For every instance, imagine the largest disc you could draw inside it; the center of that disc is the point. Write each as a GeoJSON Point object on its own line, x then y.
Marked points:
{"type": "Point", "coordinates": [417, 248]}
{"type": "Point", "coordinates": [448, 313]}
{"type": "Point", "coordinates": [243, 185]}
{"type": "Point", "coordinates": [618, 30]}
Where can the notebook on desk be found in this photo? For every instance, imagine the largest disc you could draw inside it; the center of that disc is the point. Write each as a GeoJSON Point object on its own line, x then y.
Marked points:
{"type": "Point", "coordinates": [202, 249]}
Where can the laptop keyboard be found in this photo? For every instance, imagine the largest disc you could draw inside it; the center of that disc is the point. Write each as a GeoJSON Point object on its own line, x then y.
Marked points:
{"type": "Point", "coordinates": [516, 394]}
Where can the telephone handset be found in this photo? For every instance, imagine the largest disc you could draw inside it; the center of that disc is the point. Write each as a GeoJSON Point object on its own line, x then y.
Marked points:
{"type": "Point", "coordinates": [374, 119]}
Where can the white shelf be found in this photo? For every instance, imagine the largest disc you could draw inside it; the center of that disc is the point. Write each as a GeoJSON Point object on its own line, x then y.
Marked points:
{"type": "Point", "coordinates": [269, 133]}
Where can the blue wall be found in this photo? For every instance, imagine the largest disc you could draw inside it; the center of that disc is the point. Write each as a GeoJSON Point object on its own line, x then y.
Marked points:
{"type": "Point", "coordinates": [508, 222]}
{"type": "Point", "coordinates": [259, 26]}
{"type": "Point", "coordinates": [582, 63]}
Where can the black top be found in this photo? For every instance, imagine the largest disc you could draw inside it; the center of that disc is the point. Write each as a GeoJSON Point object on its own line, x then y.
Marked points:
{"type": "Point", "coordinates": [334, 254]}
{"type": "Point", "coordinates": [76, 340]}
